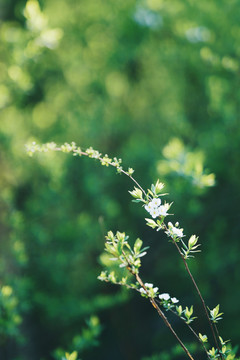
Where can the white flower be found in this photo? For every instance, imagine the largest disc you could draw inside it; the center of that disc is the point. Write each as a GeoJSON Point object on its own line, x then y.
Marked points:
{"type": "Point", "coordinates": [148, 207]}
{"type": "Point", "coordinates": [154, 208]}
{"type": "Point", "coordinates": [163, 210]}
{"type": "Point", "coordinates": [164, 296]}
{"type": "Point", "coordinates": [150, 290]}
{"type": "Point", "coordinates": [177, 232]}
{"type": "Point", "coordinates": [151, 205]}
{"type": "Point", "coordinates": [173, 230]}
{"type": "Point", "coordinates": [174, 300]}
{"type": "Point", "coordinates": [155, 213]}
{"type": "Point", "coordinates": [148, 285]}
{"type": "Point", "coordinates": [155, 203]}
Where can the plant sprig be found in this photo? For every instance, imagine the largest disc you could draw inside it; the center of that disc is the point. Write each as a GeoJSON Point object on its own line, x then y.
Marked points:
{"type": "Point", "coordinates": [130, 257]}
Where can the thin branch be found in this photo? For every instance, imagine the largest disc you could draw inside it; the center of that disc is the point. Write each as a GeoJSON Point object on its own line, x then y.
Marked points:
{"type": "Point", "coordinates": [155, 305]}
{"type": "Point", "coordinates": [192, 330]}
{"type": "Point", "coordinates": [200, 296]}
{"type": "Point", "coordinates": [161, 314]}
{"type": "Point", "coordinates": [110, 163]}
{"type": "Point", "coordinates": [157, 301]}
{"type": "Point", "coordinates": [185, 264]}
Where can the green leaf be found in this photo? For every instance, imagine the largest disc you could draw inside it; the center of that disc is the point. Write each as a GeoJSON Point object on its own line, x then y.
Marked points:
{"type": "Point", "coordinates": [179, 310]}
{"type": "Point", "coordinates": [112, 277]}
{"type": "Point", "coordinates": [136, 193]}
{"type": "Point", "coordinates": [130, 171]}
{"type": "Point", "coordinates": [212, 352]}
{"type": "Point", "coordinates": [215, 310]}
{"type": "Point", "coordinates": [120, 247]}
{"type": "Point", "coordinates": [203, 338]}
{"type": "Point", "coordinates": [137, 245]}
{"type": "Point", "coordinates": [72, 356]}
{"type": "Point", "coordinates": [159, 222]}
{"type": "Point", "coordinates": [109, 248]}
{"type": "Point", "coordinates": [215, 315]}
{"type": "Point", "coordinates": [192, 241]}
{"type": "Point", "coordinates": [158, 187]}
{"type": "Point", "coordinates": [141, 254]}
{"type": "Point", "coordinates": [103, 276]}
{"type": "Point", "coordinates": [151, 223]}
{"type": "Point", "coordinates": [110, 236]}
{"type": "Point", "coordinates": [153, 189]}
{"type": "Point", "coordinates": [150, 192]}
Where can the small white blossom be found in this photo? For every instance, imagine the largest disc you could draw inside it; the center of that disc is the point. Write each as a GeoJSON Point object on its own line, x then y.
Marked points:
{"type": "Point", "coordinates": [177, 232]}
{"type": "Point", "coordinates": [148, 207]}
{"type": "Point", "coordinates": [164, 296]}
{"type": "Point", "coordinates": [155, 208]}
{"type": "Point", "coordinates": [154, 213]}
{"type": "Point", "coordinates": [174, 300]}
{"type": "Point", "coordinates": [174, 230]}
{"type": "Point", "coordinates": [149, 285]}
{"type": "Point", "coordinates": [151, 205]}
{"type": "Point", "coordinates": [152, 290]}
{"type": "Point", "coordinates": [155, 203]}
{"type": "Point", "coordinates": [163, 210]}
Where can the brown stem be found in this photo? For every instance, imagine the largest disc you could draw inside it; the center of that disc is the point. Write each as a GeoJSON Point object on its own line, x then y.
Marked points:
{"type": "Point", "coordinates": [155, 305]}
{"type": "Point", "coordinates": [112, 164]}
{"type": "Point", "coordinates": [173, 312]}
{"type": "Point", "coordinates": [199, 294]}
{"type": "Point", "coordinates": [216, 329]}
{"type": "Point", "coordinates": [193, 331]}
{"type": "Point", "coordinates": [161, 314]}
{"type": "Point", "coordinates": [185, 264]}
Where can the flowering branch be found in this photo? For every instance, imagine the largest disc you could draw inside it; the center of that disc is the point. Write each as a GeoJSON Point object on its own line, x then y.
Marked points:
{"type": "Point", "coordinates": [130, 258]}
{"type": "Point", "coordinates": [118, 247]}
{"type": "Point", "coordinates": [178, 312]}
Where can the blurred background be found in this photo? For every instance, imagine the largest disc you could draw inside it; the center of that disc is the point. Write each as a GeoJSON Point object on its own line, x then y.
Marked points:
{"type": "Point", "coordinates": [153, 82]}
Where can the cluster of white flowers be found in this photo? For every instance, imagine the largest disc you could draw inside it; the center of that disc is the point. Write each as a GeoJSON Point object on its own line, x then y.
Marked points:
{"type": "Point", "coordinates": [155, 208]}
{"type": "Point", "coordinates": [150, 287]}
{"type": "Point", "coordinates": [166, 297]}
{"type": "Point", "coordinates": [174, 230]}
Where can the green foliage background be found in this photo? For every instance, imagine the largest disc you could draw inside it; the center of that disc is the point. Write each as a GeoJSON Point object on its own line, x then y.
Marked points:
{"type": "Point", "coordinates": [155, 82]}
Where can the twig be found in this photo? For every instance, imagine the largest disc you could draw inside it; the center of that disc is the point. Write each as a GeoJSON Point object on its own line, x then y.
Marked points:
{"type": "Point", "coordinates": [80, 152]}
{"type": "Point", "coordinates": [192, 330]}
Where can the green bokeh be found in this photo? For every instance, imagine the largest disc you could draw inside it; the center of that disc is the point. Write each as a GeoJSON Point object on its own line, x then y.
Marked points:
{"type": "Point", "coordinates": [156, 83]}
